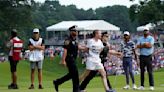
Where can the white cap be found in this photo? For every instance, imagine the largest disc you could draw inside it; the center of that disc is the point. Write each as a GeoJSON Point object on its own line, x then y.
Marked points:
{"type": "Point", "coordinates": [146, 29]}
{"type": "Point", "coordinates": [35, 30]}
{"type": "Point", "coordinates": [126, 33]}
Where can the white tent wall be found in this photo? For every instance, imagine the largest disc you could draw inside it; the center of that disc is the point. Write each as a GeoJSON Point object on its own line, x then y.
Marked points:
{"type": "Point", "coordinates": [84, 27]}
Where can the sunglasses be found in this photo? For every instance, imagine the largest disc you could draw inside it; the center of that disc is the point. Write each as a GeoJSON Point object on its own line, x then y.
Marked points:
{"type": "Point", "coordinates": [35, 32]}
{"type": "Point", "coordinates": [106, 36]}
{"type": "Point", "coordinates": [126, 35]}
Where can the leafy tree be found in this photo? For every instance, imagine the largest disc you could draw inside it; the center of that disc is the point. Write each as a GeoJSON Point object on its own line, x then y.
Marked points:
{"type": "Point", "coordinates": [14, 14]}
{"type": "Point", "coordinates": [147, 11]}
{"type": "Point", "coordinates": [117, 15]}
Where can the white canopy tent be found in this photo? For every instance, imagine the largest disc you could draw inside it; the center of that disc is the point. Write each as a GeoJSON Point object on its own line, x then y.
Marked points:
{"type": "Point", "coordinates": [58, 31]}
{"type": "Point", "coordinates": [150, 26]}
{"type": "Point", "coordinates": [84, 25]}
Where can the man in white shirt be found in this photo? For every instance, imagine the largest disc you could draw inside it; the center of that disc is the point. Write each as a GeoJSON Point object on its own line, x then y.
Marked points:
{"type": "Point", "coordinates": [94, 47]}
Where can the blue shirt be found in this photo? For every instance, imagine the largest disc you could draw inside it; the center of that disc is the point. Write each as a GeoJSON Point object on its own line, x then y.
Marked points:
{"type": "Point", "coordinates": [127, 48]}
{"type": "Point", "coordinates": [146, 51]}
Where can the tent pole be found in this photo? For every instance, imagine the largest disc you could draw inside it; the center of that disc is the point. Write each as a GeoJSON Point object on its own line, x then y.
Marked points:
{"type": "Point", "coordinates": [47, 35]}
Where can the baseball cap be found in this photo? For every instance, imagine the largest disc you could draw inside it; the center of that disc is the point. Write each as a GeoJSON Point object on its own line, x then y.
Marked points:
{"type": "Point", "coordinates": [35, 30]}
{"type": "Point", "coordinates": [146, 29]}
{"type": "Point", "coordinates": [126, 33]}
{"type": "Point", "coordinates": [73, 28]}
{"type": "Point", "coordinates": [14, 30]}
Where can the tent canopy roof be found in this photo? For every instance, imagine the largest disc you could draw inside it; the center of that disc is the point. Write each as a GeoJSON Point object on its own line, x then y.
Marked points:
{"type": "Point", "coordinates": [150, 26]}
{"type": "Point", "coordinates": [83, 25]}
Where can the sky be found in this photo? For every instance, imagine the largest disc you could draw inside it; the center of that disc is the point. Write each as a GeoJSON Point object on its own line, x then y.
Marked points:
{"type": "Point", "coordinates": [86, 4]}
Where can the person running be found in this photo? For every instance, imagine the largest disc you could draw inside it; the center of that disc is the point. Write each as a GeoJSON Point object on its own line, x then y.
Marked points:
{"type": "Point", "coordinates": [68, 59]}
{"type": "Point", "coordinates": [128, 50]}
{"type": "Point", "coordinates": [103, 55]}
{"type": "Point", "coordinates": [95, 46]}
{"type": "Point", "coordinates": [36, 57]}
{"type": "Point", "coordinates": [146, 46]}
{"type": "Point", "coordinates": [15, 45]}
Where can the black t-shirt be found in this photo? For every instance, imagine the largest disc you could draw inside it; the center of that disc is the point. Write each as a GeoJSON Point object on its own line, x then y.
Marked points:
{"type": "Point", "coordinates": [104, 52]}
{"type": "Point", "coordinates": [72, 47]}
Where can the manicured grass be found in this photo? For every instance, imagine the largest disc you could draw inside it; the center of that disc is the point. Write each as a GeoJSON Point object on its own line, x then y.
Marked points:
{"type": "Point", "coordinates": [53, 70]}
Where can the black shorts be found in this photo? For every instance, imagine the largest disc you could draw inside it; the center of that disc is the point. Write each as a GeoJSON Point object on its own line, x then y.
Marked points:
{"type": "Point", "coordinates": [13, 64]}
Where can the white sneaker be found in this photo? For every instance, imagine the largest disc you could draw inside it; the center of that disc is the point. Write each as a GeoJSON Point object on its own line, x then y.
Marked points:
{"type": "Point", "coordinates": [134, 87]}
{"type": "Point", "coordinates": [126, 87]}
{"type": "Point", "coordinates": [141, 88]}
{"type": "Point", "coordinates": [151, 88]}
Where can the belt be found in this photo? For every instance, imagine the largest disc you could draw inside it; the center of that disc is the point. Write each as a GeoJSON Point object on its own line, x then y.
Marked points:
{"type": "Point", "coordinates": [146, 55]}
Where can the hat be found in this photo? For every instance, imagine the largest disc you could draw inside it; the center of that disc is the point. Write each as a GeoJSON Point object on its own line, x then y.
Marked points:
{"type": "Point", "coordinates": [104, 33]}
{"type": "Point", "coordinates": [14, 30]}
{"type": "Point", "coordinates": [35, 30]}
{"type": "Point", "coordinates": [73, 28]}
{"type": "Point", "coordinates": [126, 33]}
{"type": "Point", "coordinates": [146, 29]}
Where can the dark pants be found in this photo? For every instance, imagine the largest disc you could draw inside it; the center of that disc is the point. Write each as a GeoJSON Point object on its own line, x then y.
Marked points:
{"type": "Point", "coordinates": [91, 75]}
{"type": "Point", "coordinates": [146, 61]}
{"type": "Point", "coordinates": [128, 68]}
{"type": "Point", "coordinates": [73, 74]}
{"type": "Point", "coordinates": [13, 64]}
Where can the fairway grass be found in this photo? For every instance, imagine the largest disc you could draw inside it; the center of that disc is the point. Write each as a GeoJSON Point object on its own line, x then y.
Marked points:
{"type": "Point", "coordinates": [53, 70]}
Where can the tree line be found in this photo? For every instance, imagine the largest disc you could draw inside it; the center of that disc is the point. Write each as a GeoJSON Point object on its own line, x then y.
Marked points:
{"type": "Point", "coordinates": [24, 15]}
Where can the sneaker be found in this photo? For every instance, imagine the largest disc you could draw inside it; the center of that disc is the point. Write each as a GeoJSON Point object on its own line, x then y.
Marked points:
{"type": "Point", "coordinates": [31, 87]}
{"type": "Point", "coordinates": [141, 88]}
{"type": "Point", "coordinates": [56, 85]}
{"type": "Point", "coordinates": [151, 88]}
{"type": "Point", "coordinates": [134, 87]}
{"type": "Point", "coordinates": [126, 87]}
{"type": "Point", "coordinates": [40, 87]}
{"type": "Point", "coordinates": [10, 86]}
{"type": "Point", "coordinates": [13, 86]}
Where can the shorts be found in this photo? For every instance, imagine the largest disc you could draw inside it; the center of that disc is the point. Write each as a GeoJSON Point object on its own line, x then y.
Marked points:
{"type": "Point", "coordinates": [92, 65]}
{"type": "Point", "coordinates": [38, 64]}
{"type": "Point", "coordinates": [13, 64]}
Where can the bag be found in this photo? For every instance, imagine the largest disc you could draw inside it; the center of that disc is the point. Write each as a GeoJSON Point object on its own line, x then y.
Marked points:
{"type": "Point", "coordinates": [17, 49]}
{"type": "Point", "coordinates": [35, 56]}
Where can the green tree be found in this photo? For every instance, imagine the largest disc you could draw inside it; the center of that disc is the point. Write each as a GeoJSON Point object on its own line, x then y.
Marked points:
{"type": "Point", "coordinates": [147, 11]}
{"type": "Point", "coordinates": [14, 14]}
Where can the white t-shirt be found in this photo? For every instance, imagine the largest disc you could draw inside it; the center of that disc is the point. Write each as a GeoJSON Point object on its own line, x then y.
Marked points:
{"type": "Point", "coordinates": [95, 47]}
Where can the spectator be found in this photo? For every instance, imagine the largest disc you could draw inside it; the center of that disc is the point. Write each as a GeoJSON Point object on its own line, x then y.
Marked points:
{"type": "Point", "coordinates": [36, 47]}
{"type": "Point", "coordinates": [146, 47]}
{"type": "Point", "coordinates": [15, 45]}
{"type": "Point", "coordinates": [128, 50]}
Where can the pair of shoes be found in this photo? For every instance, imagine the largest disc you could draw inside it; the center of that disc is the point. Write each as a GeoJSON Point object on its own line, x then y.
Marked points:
{"type": "Point", "coordinates": [56, 85]}
{"type": "Point", "coordinates": [151, 88]}
{"type": "Point", "coordinates": [13, 86]}
{"type": "Point", "coordinates": [40, 86]}
{"type": "Point", "coordinates": [31, 87]}
{"type": "Point", "coordinates": [141, 88]}
{"type": "Point", "coordinates": [134, 87]}
{"type": "Point", "coordinates": [126, 87]}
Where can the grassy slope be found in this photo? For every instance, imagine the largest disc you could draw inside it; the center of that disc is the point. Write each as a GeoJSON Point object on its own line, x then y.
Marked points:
{"type": "Point", "coordinates": [53, 70]}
